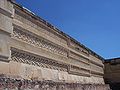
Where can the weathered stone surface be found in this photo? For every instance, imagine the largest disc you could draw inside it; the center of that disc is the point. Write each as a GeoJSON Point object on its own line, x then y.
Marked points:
{"type": "Point", "coordinates": [12, 84]}
{"type": "Point", "coordinates": [112, 73]}
{"type": "Point", "coordinates": [6, 23]}
{"type": "Point", "coordinates": [36, 50]}
{"type": "Point", "coordinates": [6, 28]}
{"type": "Point", "coordinates": [112, 70]}
{"type": "Point", "coordinates": [6, 5]}
{"type": "Point", "coordinates": [4, 46]}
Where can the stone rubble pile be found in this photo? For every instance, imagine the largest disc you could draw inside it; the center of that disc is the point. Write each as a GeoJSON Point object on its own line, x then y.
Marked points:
{"type": "Point", "coordinates": [15, 84]}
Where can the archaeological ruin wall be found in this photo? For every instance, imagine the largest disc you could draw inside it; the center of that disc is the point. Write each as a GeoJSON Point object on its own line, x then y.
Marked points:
{"type": "Point", "coordinates": [33, 49]}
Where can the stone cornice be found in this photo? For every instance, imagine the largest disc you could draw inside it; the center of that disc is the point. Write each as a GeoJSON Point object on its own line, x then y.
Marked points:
{"type": "Point", "coordinates": [4, 58]}
{"type": "Point", "coordinates": [6, 13]}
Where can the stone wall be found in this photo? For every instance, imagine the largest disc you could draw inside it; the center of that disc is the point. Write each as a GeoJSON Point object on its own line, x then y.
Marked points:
{"type": "Point", "coordinates": [14, 84]}
{"type": "Point", "coordinates": [31, 48]}
{"type": "Point", "coordinates": [112, 70]}
{"type": "Point", "coordinates": [112, 73]}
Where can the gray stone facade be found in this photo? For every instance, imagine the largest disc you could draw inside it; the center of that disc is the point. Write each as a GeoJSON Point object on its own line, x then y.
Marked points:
{"type": "Point", "coordinates": [112, 73]}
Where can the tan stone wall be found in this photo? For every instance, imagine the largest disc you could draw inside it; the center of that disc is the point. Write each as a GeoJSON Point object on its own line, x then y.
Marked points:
{"type": "Point", "coordinates": [38, 50]}
{"type": "Point", "coordinates": [6, 28]}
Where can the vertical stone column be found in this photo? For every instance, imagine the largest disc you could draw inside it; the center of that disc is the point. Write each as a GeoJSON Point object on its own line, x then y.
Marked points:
{"type": "Point", "coordinates": [6, 28]}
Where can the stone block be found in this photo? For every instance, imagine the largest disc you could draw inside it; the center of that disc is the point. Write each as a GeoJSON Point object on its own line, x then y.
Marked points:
{"type": "Point", "coordinates": [4, 45]}
{"type": "Point", "coordinates": [6, 5]}
{"type": "Point", "coordinates": [14, 68]}
{"type": "Point", "coordinates": [5, 24]}
{"type": "Point", "coordinates": [4, 68]}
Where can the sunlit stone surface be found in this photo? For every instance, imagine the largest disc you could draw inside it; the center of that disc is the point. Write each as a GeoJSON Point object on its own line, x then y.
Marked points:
{"type": "Point", "coordinates": [36, 55]}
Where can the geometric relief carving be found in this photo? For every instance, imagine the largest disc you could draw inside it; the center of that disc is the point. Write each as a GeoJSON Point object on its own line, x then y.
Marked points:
{"type": "Point", "coordinates": [80, 64]}
{"type": "Point", "coordinates": [42, 62]}
{"type": "Point", "coordinates": [78, 57]}
{"type": "Point", "coordinates": [79, 71]}
{"type": "Point", "coordinates": [77, 47]}
{"type": "Point", "coordinates": [96, 68]}
{"type": "Point", "coordinates": [39, 42]}
{"type": "Point", "coordinates": [31, 59]}
{"type": "Point", "coordinates": [31, 22]}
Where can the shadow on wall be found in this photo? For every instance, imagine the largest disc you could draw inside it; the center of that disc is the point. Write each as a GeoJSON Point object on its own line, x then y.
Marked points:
{"type": "Point", "coordinates": [115, 86]}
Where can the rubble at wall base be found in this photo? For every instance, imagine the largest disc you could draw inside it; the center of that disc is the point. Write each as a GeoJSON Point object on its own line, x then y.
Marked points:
{"type": "Point", "coordinates": [22, 84]}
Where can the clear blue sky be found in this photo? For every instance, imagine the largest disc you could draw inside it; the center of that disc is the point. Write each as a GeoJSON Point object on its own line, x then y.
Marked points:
{"type": "Point", "coordinates": [94, 23]}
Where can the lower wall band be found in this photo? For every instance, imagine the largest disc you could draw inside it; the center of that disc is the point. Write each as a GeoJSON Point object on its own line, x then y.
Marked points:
{"type": "Point", "coordinates": [14, 84]}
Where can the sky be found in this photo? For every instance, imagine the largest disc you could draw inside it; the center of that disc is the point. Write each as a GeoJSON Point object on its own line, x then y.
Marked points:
{"type": "Point", "coordinates": [94, 23]}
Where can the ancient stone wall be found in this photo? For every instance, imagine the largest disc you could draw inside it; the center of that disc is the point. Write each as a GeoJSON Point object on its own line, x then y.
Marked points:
{"type": "Point", "coordinates": [112, 73]}
{"type": "Point", "coordinates": [33, 49]}
{"type": "Point", "coordinates": [112, 70]}
{"type": "Point", "coordinates": [14, 84]}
